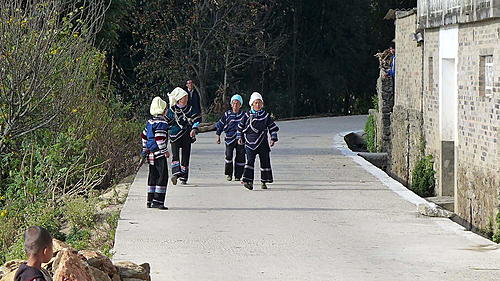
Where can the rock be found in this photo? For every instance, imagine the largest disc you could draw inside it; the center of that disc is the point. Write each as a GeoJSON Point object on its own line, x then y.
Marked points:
{"type": "Point", "coordinates": [71, 268]}
{"type": "Point", "coordinates": [99, 261]}
{"type": "Point", "coordinates": [98, 275]}
{"type": "Point", "coordinates": [131, 279]}
{"type": "Point", "coordinates": [9, 276]}
{"type": "Point", "coordinates": [131, 270]}
{"type": "Point", "coordinates": [432, 210]}
{"type": "Point", "coordinates": [12, 265]}
{"type": "Point", "coordinates": [146, 267]}
{"type": "Point", "coordinates": [59, 245]}
{"type": "Point", "coordinates": [116, 277]}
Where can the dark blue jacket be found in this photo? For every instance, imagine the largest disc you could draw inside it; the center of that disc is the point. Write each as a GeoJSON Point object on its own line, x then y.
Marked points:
{"type": "Point", "coordinates": [229, 125]}
{"type": "Point", "coordinates": [254, 127]}
{"type": "Point", "coordinates": [181, 121]}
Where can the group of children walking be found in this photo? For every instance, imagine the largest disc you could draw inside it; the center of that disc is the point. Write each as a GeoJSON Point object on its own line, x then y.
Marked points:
{"type": "Point", "coordinates": [246, 136]}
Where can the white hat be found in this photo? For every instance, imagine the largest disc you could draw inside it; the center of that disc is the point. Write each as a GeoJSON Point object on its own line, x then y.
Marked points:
{"type": "Point", "coordinates": [157, 106]}
{"type": "Point", "coordinates": [255, 96]}
{"type": "Point", "coordinates": [177, 94]}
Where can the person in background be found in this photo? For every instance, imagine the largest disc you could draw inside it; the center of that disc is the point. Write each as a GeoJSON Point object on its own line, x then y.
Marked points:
{"type": "Point", "coordinates": [229, 125]}
{"type": "Point", "coordinates": [392, 70]}
{"type": "Point", "coordinates": [194, 98]}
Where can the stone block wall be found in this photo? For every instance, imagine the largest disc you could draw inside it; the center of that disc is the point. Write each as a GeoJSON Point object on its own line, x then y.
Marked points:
{"type": "Point", "coordinates": [406, 118]}
{"type": "Point", "coordinates": [385, 94]}
{"type": "Point", "coordinates": [415, 116]}
{"type": "Point", "coordinates": [431, 100]}
{"type": "Point", "coordinates": [478, 150]}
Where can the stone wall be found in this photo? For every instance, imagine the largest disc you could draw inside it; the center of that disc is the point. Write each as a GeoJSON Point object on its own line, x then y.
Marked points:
{"type": "Point", "coordinates": [431, 100]}
{"type": "Point", "coordinates": [478, 150]}
{"type": "Point", "coordinates": [416, 110]}
{"type": "Point", "coordinates": [385, 95]}
{"type": "Point", "coordinates": [406, 118]}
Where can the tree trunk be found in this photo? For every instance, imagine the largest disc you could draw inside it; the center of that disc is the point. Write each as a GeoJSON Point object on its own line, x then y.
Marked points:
{"type": "Point", "coordinates": [226, 66]}
{"type": "Point", "coordinates": [293, 90]}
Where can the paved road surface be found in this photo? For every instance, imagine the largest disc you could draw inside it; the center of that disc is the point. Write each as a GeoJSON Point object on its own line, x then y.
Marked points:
{"type": "Point", "coordinates": [324, 218]}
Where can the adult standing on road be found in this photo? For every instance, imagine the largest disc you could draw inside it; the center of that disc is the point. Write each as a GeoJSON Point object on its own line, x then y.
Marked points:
{"type": "Point", "coordinates": [194, 98]}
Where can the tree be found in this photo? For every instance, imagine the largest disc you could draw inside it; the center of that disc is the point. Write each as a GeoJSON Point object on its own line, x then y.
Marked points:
{"type": "Point", "coordinates": [43, 53]}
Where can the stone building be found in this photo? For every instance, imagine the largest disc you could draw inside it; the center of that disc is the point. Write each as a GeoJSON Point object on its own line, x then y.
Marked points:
{"type": "Point", "coordinates": [447, 101]}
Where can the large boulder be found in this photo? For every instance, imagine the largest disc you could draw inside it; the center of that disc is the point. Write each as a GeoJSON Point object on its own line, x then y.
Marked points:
{"type": "Point", "coordinates": [9, 276]}
{"type": "Point", "coordinates": [59, 245]}
{"type": "Point", "coordinates": [133, 271]}
{"type": "Point", "coordinates": [98, 275]}
{"type": "Point", "coordinates": [12, 265]}
{"type": "Point", "coordinates": [99, 261]}
{"type": "Point", "coordinates": [71, 268]}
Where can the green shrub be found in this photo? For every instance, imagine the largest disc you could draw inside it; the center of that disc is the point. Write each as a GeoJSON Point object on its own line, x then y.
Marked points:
{"type": "Point", "coordinates": [496, 236]}
{"type": "Point", "coordinates": [78, 238]}
{"type": "Point", "coordinates": [370, 134]}
{"type": "Point", "coordinates": [80, 212]}
{"type": "Point", "coordinates": [423, 177]}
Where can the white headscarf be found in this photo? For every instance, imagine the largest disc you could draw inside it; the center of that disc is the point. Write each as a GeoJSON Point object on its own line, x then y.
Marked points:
{"type": "Point", "coordinates": [157, 106]}
{"type": "Point", "coordinates": [255, 96]}
{"type": "Point", "coordinates": [177, 94]}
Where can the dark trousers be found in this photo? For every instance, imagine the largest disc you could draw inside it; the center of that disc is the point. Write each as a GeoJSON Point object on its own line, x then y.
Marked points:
{"type": "Point", "coordinates": [266, 174]}
{"type": "Point", "coordinates": [157, 181]}
{"type": "Point", "coordinates": [181, 152]}
{"type": "Point", "coordinates": [239, 160]}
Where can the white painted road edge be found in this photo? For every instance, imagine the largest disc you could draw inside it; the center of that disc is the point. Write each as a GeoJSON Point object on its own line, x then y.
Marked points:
{"type": "Point", "coordinates": [408, 195]}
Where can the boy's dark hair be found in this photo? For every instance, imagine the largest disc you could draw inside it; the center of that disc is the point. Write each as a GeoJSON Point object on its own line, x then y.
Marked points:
{"type": "Point", "coordinates": [36, 238]}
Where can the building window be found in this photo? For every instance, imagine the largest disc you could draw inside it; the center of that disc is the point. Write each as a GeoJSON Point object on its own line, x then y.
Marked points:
{"type": "Point", "coordinates": [485, 75]}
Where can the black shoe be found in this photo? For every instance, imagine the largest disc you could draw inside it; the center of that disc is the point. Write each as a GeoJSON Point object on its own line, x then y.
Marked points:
{"type": "Point", "coordinates": [183, 182]}
{"type": "Point", "coordinates": [160, 207]}
{"type": "Point", "coordinates": [229, 178]}
{"type": "Point", "coordinates": [263, 186]}
{"type": "Point", "coordinates": [148, 205]}
{"type": "Point", "coordinates": [237, 179]}
{"type": "Point", "coordinates": [248, 185]}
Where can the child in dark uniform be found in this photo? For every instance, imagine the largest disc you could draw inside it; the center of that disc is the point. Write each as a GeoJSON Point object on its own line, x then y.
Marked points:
{"type": "Point", "coordinates": [229, 125]}
{"type": "Point", "coordinates": [154, 147]}
{"type": "Point", "coordinates": [252, 131]}
{"type": "Point", "coordinates": [183, 123]}
{"type": "Point", "coordinates": [38, 247]}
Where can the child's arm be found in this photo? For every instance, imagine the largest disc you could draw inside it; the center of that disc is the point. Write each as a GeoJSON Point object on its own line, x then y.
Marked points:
{"type": "Point", "coordinates": [144, 139]}
{"type": "Point", "coordinates": [195, 120]}
{"type": "Point", "coordinates": [170, 118]}
{"type": "Point", "coordinates": [220, 127]}
{"type": "Point", "coordinates": [273, 130]}
{"type": "Point", "coordinates": [161, 134]}
{"type": "Point", "coordinates": [240, 135]}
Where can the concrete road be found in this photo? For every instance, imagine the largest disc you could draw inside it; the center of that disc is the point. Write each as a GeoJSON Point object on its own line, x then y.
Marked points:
{"type": "Point", "coordinates": [325, 218]}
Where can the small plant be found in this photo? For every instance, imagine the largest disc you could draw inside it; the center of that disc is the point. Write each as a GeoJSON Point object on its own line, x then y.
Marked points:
{"type": "Point", "coordinates": [80, 212]}
{"type": "Point", "coordinates": [78, 238]}
{"type": "Point", "coordinates": [496, 236]}
{"type": "Point", "coordinates": [375, 102]}
{"type": "Point", "coordinates": [370, 134]}
{"type": "Point", "coordinates": [423, 180]}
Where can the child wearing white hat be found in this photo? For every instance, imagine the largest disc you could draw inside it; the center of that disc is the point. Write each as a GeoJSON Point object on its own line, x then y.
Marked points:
{"type": "Point", "coordinates": [154, 147]}
{"type": "Point", "coordinates": [229, 125]}
{"type": "Point", "coordinates": [253, 131]}
{"type": "Point", "coordinates": [183, 122]}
